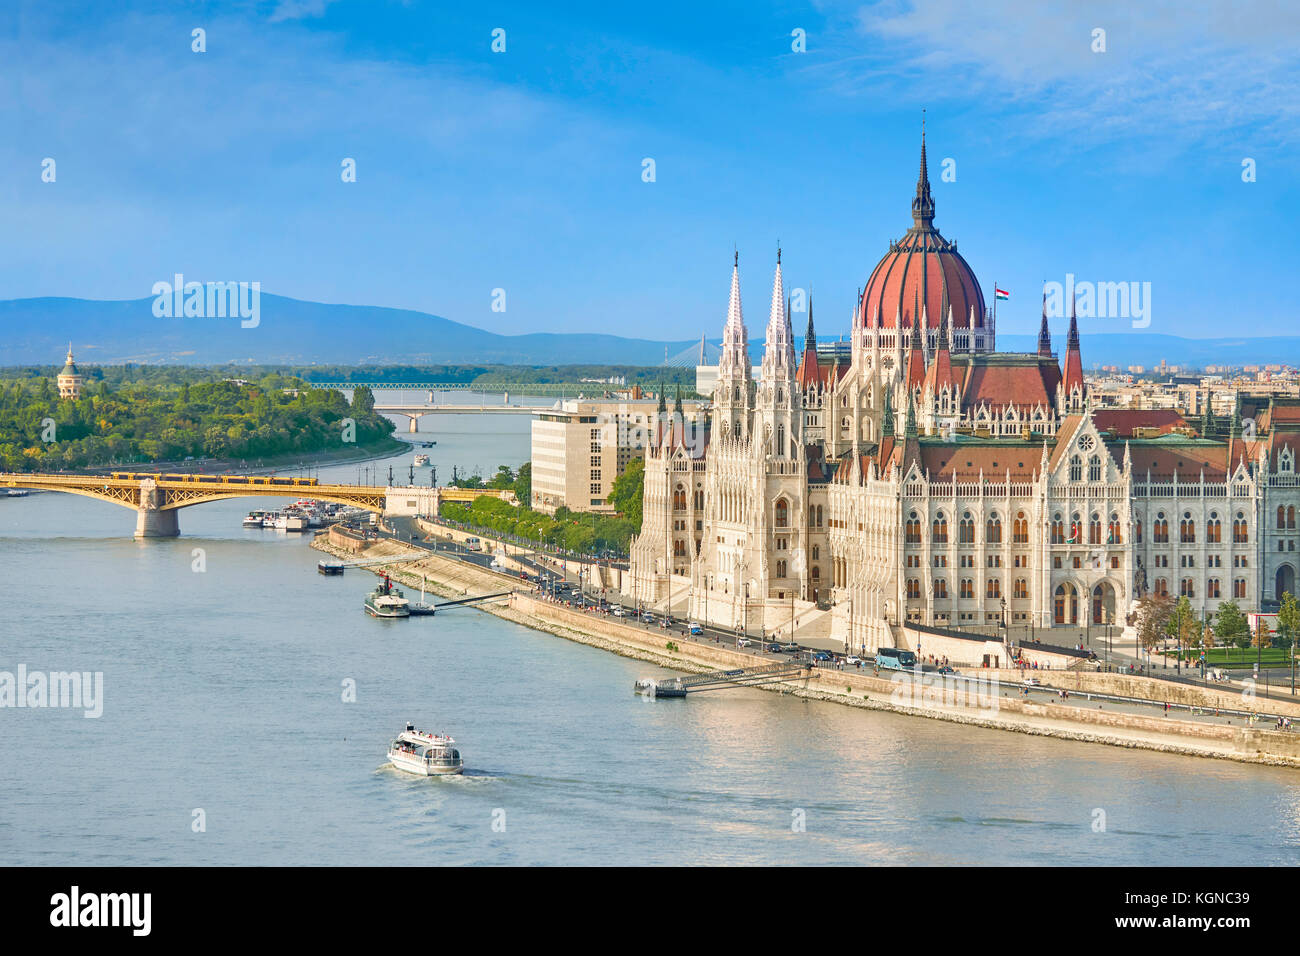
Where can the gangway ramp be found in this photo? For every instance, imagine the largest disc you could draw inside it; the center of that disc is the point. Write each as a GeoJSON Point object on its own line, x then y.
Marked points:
{"type": "Point", "coordinates": [718, 680]}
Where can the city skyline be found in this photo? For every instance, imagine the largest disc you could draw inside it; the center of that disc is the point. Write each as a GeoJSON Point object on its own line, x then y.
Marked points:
{"type": "Point", "coordinates": [523, 170]}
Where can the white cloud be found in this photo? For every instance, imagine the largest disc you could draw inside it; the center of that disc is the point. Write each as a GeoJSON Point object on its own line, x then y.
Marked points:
{"type": "Point", "coordinates": [1190, 71]}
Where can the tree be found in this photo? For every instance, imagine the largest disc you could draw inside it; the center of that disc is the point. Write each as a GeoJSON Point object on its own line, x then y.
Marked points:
{"type": "Point", "coordinates": [524, 485]}
{"type": "Point", "coordinates": [1288, 620]}
{"type": "Point", "coordinates": [1153, 613]}
{"type": "Point", "coordinates": [1231, 626]}
{"type": "Point", "coordinates": [627, 491]}
{"type": "Point", "coordinates": [363, 401]}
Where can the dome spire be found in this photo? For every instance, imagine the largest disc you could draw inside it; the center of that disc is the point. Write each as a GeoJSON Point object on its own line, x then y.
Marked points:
{"type": "Point", "coordinates": [923, 204]}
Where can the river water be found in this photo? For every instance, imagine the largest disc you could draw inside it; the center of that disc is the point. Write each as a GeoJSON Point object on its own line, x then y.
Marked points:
{"type": "Point", "coordinates": [224, 706]}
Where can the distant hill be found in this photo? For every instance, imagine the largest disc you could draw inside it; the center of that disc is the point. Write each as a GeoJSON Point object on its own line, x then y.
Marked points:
{"type": "Point", "coordinates": [290, 332]}
{"type": "Point", "coordinates": [294, 332]}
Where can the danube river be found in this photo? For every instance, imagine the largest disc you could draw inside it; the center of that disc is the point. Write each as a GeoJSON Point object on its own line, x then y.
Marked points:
{"type": "Point", "coordinates": [225, 737]}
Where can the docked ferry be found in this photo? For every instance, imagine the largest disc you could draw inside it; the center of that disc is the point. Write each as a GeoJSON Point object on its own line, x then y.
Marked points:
{"type": "Point", "coordinates": [255, 519]}
{"type": "Point", "coordinates": [425, 754]}
{"type": "Point", "coordinates": [387, 601]}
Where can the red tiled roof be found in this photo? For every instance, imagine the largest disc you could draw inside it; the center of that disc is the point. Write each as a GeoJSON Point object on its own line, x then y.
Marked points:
{"type": "Point", "coordinates": [1122, 421]}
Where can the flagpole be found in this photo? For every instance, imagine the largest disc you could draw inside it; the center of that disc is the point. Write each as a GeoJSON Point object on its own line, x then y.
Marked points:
{"type": "Point", "coordinates": [995, 303]}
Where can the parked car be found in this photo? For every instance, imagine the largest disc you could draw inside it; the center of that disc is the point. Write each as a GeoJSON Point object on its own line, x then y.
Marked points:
{"type": "Point", "coordinates": [618, 612]}
{"type": "Point", "coordinates": [743, 642]}
{"type": "Point", "coordinates": [694, 629]}
{"type": "Point", "coordinates": [852, 661]}
{"type": "Point", "coordinates": [773, 648]}
{"type": "Point", "coordinates": [821, 657]}
{"type": "Point", "coordinates": [648, 617]}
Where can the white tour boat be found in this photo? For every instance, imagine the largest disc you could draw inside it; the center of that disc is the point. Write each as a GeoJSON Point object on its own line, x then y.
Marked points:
{"type": "Point", "coordinates": [421, 461]}
{"type": "Point", "coordinates": [425, 754]}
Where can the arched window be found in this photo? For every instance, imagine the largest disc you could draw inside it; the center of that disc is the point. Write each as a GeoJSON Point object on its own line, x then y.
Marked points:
{"type": "Point", "coordinates": [1161, 588]}
{"type": "Point", "coordinates": [966, 530]}
{"type": "Point", "coordinates": [1160, 529]}
{"type": "Point", "coordinates": [1137, 531]}
{"type": "Point", "coordinates": [1020, 529]}
{"type": "Point", "coordinates": [1281, 517]}
{"type": "Point", "coordinates": [679, 498]}
{"type": "Point", "coordinates": [993, 589]}
{"type": "Point", "coordinates": [913, 529]}
{"type": "Point", "coordinates": [1021, 590]}
{"type": "Point", "coordinates": [1094, 468]}
{"type": "Point", "coordinates": [1239, 533]}
{"type": "Point", "coordinates": [1076, 529]}
{"type": "Point", "coordinates": [913, 589]}
{"type": "Point", "coordinates": [1212, 588]}
{"type": "Point", "coordinates": [939, 530]}
{"type": "Point", "coordinates": [1187, 529]}
{"type": "Point", "coordinates": [1058, 529]}
{"type": "Point", "coordinates": [1213, 530]}
{"type": "Point", "coordinates": [1076, 468]}
{"type": "Point", "coordinates": [966, 589]}
{"type": "Point", "coordinates": [993, 530]}
{"type": "Point", "coordinates": [1094, 529]}
{"type": "Point", "coordinates": [1290, 517]}
{"type": "Point", "coordinates": [1113, 533]}
{"type": "Point", "coordinates": [780, 569]}
{"type": "Point", "coordinates": [1186, 588]}
{"type": "Point", "coordinates": [782, 515]}
{"type": "Point", "coordinates": [940, 587]}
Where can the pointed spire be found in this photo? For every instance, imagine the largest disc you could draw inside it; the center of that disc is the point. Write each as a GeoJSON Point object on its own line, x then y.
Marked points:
{"type": "Point", "coordinates": [663, 404]}
{"type": "Point", "coordinates": [923, 204]}
{"type": "Point", "coordinates": [734, 364]}
{"type": "Point", "coordinates": [887, 419]}
{"type": "Point", "coordinates": [1073, 377]}
{"type": "Point", "coordinates": [909, 427]}
{"type": "Point", "coordinates": [810, 337]}
{"type": "Point", "coordinates": [778, 352]}
{"type": "Point", "coordinates": [1044, 334]}
{"type": "Point", "coordinates": [677, 405]}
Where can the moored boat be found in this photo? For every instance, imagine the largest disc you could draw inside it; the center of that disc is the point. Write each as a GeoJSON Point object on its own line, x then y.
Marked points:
{"type": "Point", "coordinates": [387, 601]}
{"type": "Point", "coordinates": [330, 567]}
{"type": "Point", "coordinates": [421, 461]}
{"type": "Point", "coordinates": [425, 754]}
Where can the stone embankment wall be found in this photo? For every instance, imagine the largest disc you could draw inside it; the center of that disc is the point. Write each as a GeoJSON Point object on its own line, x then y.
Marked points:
{"type": "Point", "coordinates": [450, 577]}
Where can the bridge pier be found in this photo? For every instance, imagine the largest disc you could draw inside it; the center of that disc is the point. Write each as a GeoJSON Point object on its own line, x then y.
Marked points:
{"type": "Point", "coordinates": [153, 523]}
{"type": "Point", "coordinates": [415, 424]}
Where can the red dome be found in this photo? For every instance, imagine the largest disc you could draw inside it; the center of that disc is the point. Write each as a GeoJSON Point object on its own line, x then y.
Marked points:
{"type": "Point", "coordinates": [922, 272]}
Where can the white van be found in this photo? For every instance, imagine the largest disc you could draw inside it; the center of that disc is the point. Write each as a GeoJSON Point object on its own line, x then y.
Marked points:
{"type": "Point", "coordinates": [473, 544]}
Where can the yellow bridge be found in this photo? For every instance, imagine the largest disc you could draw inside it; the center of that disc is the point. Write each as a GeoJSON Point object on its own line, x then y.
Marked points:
{"type": "Point", "coordinates": [157, 497]}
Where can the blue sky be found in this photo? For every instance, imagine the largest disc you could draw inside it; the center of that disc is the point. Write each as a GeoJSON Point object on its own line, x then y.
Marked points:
{"type": "Point", "coordinates": [522, 170]}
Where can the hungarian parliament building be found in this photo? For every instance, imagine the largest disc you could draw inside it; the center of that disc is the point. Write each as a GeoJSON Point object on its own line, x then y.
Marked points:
{"type": "Point", "coordinates": [921, 476]}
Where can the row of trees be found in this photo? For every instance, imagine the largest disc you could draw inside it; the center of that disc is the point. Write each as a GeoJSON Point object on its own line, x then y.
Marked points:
{"type": "Point", "coordinates": [142, 423]}
{"type": "Point", "coordinates": [575, 531]}
{"type": "Point", "coordinates": [583, 533]}
{"type": "Point", "coordinates": [1161, 618]}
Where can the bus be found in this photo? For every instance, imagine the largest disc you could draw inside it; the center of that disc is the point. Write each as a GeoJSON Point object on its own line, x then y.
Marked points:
{"type": "Point", "coordinates": [895, 659]}
{"type": "Point", "coordinates": [473, 544]}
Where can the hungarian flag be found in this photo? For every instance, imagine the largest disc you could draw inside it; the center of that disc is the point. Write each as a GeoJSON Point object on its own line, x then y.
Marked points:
{"type": "Point", "coordinates": [1001, 293]}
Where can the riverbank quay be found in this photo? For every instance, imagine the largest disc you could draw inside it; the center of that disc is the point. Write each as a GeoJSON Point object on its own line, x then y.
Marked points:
{"type": "Point", "coordinates": [979, 699]}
